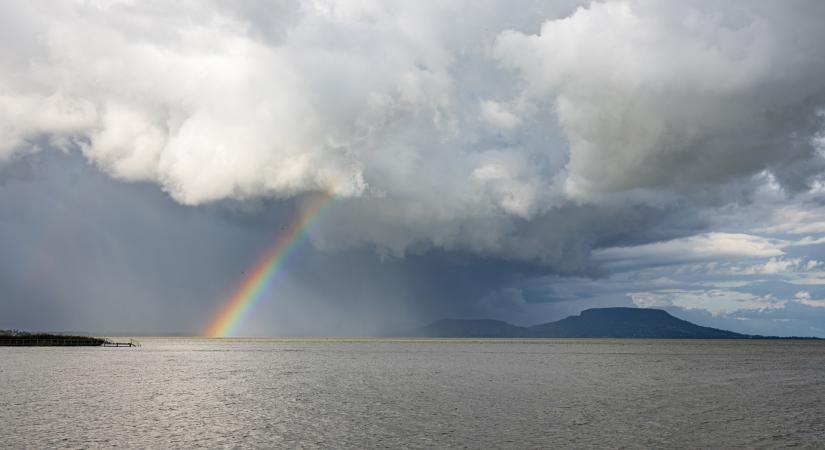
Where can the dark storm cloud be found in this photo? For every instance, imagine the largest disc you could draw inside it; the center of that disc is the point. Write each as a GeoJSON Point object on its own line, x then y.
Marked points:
{"type": "Point", "coordinates": [84, 252]}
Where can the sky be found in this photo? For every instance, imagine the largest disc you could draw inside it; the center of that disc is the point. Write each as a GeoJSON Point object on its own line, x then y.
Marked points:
{"type": "Point", "coordinates": [486, 159]}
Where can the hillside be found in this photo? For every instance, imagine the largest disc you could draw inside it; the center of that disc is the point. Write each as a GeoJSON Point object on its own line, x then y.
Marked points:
{"type": "Point", "coordinates": [591, 323]}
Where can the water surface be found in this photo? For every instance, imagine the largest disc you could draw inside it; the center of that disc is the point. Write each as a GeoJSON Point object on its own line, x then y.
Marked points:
{"type": "Point", "coordinates": [184, 393]}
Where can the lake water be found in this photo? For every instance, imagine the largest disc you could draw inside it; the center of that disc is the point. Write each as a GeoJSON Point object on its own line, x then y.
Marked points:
{"type": "Point", "coordinates": [181, 393]}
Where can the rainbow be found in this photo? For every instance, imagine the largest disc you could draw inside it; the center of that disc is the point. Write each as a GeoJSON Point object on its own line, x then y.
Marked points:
{"type": "Point", "coordinates": [250, 290]}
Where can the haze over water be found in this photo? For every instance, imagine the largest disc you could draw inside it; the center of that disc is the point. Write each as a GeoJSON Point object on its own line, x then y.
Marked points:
{"type": "Point", "coordinates": [184, 393]}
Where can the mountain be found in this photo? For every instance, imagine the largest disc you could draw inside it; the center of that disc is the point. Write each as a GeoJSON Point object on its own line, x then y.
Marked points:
{"type": "Point", "coordinates": [629, 323]}
{"type": "Point", "coordinates": [591, 323]}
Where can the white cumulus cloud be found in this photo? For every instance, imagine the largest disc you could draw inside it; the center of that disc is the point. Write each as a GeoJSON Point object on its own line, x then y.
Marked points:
{"type": "Point", "coordinates": [670, 94]}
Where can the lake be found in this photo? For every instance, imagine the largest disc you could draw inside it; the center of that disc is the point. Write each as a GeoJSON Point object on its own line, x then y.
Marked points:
{"type": "Point", "coordinates": [366, 393]}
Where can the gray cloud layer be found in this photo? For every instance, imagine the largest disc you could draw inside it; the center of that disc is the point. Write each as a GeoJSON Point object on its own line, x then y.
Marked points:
{"type": "Point", "coordinates": [543, 134]}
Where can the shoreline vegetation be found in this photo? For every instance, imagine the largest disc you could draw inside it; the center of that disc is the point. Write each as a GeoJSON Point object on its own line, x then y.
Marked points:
{"type": "Point", "coordinates": [16, 338]}
{"type": "Point", "coordinates": [22, 339]}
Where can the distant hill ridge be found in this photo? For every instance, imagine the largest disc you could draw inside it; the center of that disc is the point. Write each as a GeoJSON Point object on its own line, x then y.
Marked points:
{"type": "Point", "coordinates": [642, 323]}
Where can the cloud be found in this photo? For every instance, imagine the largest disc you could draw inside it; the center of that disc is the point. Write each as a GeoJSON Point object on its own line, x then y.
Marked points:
{"type": "Point", "coordinates": [804, 297]}
{"type": "Point", "coordinates": [481, 125]}
{"type": "Point", "coordinates": [670, 95]}
{"type": "Point", "coordinates": [216, 101]}
{"type": "Point", "coordinates": [800, 218]}
{"type": "Point", "coordinates": [776, 266]}
{"type": "Point", "coordinates": [601, 140]}
{"type": "Point", "coordinates": [715, 301]}
{"type": "Point", "coordinates": [496, 115]}
{"type": "Point", "coordinates": [705, 247]}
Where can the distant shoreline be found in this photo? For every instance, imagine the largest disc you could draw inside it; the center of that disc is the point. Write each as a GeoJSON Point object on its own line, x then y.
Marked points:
{"type": "Point", "coordinates": [49, 340]}
{"type": "Point", "coordinates": [469, 339]}
{"type": "Point", "coordinates": [609, 323]}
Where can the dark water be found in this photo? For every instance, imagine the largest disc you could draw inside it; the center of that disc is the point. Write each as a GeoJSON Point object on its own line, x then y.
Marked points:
{"type": "Point", "coordinates": [334, 394]}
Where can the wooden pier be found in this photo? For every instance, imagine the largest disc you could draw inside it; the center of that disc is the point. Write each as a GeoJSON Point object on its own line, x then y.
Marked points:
{"type": "Point", "coordinates": [109, 343]}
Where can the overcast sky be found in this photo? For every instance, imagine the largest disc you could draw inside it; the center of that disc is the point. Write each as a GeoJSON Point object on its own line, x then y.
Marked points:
{"type": "Point", "coordinates": [520, 161]}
